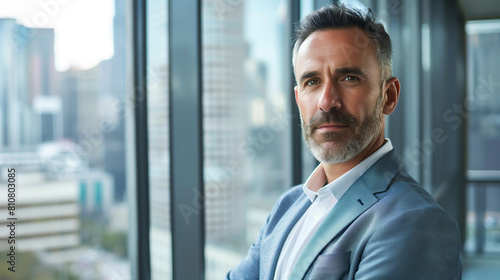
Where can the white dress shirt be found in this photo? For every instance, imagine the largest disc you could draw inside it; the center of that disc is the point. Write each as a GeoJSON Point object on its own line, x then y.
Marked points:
{"type": "Point", "coordinates": [322, 202]}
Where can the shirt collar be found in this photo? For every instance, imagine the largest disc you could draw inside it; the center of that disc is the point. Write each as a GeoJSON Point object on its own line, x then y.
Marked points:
{"type": "Point", "coordinates": [342, 184]}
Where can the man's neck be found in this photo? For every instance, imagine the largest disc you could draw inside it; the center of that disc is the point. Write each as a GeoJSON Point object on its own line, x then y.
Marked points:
{"type": "Point", "coordinates": [334, 170]}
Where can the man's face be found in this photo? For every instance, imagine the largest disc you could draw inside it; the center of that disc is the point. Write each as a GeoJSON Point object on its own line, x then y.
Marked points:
{"type": "Point", "coordinates": [339, 93]}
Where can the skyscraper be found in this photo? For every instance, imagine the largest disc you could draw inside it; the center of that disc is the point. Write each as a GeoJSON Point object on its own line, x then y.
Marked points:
{"type": "Point", "coordinates": [224, 120]}
{"type": "Point", "coordinates": [16, 110]}
{"type": "Point", "coordinates": [158, 139]}
{"type": "Point", "coordinates": [44, 84]}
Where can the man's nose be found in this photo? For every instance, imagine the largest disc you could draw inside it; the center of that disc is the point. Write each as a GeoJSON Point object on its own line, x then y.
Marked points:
{"type": "Point", "coordinates": [330, 98]}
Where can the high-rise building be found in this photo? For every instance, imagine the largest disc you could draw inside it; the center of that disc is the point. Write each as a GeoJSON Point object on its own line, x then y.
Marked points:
{"type": "Point", "coordinates": [29, 86]}
{"type": "Point", "coordinates": [158, 115]}
{"type": "Point", "coordinates": [224, 120]}
{"type": "Point", "coordinates": [158, 139]}
{"type": "Point", "coordinates": [16, 111]}
{"type": "Point", "coordinates": [44, 84]}
{"type": "Point", "coordinates": [84, 113]}
{"type": "Point", "coordinates": [114, 140]}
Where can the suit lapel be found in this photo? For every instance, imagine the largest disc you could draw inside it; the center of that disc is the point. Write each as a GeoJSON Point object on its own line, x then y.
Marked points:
{"type": "Point", "coordinates": [359, 197]}
{"type": "Point", "coordinates": [271, 248]}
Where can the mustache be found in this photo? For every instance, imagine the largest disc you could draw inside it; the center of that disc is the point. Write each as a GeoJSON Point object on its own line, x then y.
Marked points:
{"type": "Point", "coordinates": [331, 117]}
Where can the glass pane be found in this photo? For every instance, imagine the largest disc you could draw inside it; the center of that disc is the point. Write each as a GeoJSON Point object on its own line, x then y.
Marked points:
{"type": "Point", "coordinates": [483, 101]}
{"type": "Point", "coordinates": [62, 140]}
{"type": "Point", "coordinates": [159, 181]}
{"type": "Point", "coordinates": [246, 76]}
{"type": "Point", "coordinates": [482, 110]}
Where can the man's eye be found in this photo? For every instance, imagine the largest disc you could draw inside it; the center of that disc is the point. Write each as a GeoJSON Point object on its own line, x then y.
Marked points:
{"type": "Point", "coordinates": [351, 79]}
{"type": "Point", "coordinates": [312, 82]}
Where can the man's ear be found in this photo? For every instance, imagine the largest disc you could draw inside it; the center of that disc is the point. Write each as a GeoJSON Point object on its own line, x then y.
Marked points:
{"type": "Point", "coordinates": [391, 92]}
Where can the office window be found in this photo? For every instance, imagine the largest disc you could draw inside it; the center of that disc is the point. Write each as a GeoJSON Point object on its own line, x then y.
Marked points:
{"type": "Point", "coordinates": [246, 123]}
{"type": "Point", "coordinates": [158, 132]}
{"type": "Point", "coordinates": [62, 123]}
{"type": "Point", "coordinates": [482, 112]}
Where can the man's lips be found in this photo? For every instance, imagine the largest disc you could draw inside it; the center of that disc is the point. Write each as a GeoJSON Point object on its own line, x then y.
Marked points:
{"type": "Point", "coordinates": [331, 127]}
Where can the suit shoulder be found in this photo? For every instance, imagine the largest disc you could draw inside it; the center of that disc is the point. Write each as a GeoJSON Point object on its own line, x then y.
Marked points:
{"type": "Point", "coordinates": [290, 195]}
{"type": "Point", "coordinates": [287, 199]}
{"type": "Point", "coordinates": [405, 197]}
{"type": "Point", "coordinates": [405, 189]}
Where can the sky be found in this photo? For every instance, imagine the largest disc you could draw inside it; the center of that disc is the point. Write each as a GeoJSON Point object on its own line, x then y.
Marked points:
{"type": "Point", "coordinates": [83, 28]}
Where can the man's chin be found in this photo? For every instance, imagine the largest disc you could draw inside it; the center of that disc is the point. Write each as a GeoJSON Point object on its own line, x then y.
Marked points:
{"type": "Point", "coordinates": [328, 151]}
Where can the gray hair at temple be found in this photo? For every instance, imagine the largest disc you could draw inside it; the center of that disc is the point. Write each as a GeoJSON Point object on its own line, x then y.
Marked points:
{"type": "Point", "coordinates": [338, 15]}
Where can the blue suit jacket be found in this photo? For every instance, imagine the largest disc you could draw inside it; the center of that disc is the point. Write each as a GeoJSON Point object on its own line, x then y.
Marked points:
{"type": "Point", "coordinates": [384, 227]}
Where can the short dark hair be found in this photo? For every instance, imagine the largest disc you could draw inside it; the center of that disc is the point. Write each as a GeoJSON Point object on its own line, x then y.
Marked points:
{"type": "Point", "coordinates": [338, 15]}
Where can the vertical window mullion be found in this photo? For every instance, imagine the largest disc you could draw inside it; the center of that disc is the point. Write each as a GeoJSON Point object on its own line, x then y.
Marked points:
{"type": "Point", "coordinates": [296, 139]}
{"type": "Point", "coordinates": [186, 153]}
{"type": "Point", "coordinates": [141, 141]}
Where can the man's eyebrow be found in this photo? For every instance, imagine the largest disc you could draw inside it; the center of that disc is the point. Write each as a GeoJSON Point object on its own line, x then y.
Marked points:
{"type": "Point", "coordinates": [308, 75]}
{"type": "Point", "coordinates": [350, 70]}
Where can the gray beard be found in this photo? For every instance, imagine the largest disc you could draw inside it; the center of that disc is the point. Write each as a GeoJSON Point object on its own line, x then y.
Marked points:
{"type": "Point", "coordinates": [346, 146]}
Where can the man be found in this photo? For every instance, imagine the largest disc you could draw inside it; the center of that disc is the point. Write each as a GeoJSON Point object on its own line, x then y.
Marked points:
{"type": "Point", "coordinates": [359, 215]}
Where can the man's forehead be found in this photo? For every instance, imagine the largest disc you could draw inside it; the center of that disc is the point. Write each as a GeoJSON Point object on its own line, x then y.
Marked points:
{"type": "Point", "coordinates": [334, 39]}
{"type": "Point", "coordinates": [346, 44]}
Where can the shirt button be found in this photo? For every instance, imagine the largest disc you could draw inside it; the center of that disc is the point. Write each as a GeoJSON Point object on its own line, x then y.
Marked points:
{"type": "Point", "coordinates": [316, 216]}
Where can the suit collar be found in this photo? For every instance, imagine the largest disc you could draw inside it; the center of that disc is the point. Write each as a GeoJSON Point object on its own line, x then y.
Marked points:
{"type": "Point", "coordinates": [358, 198]}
